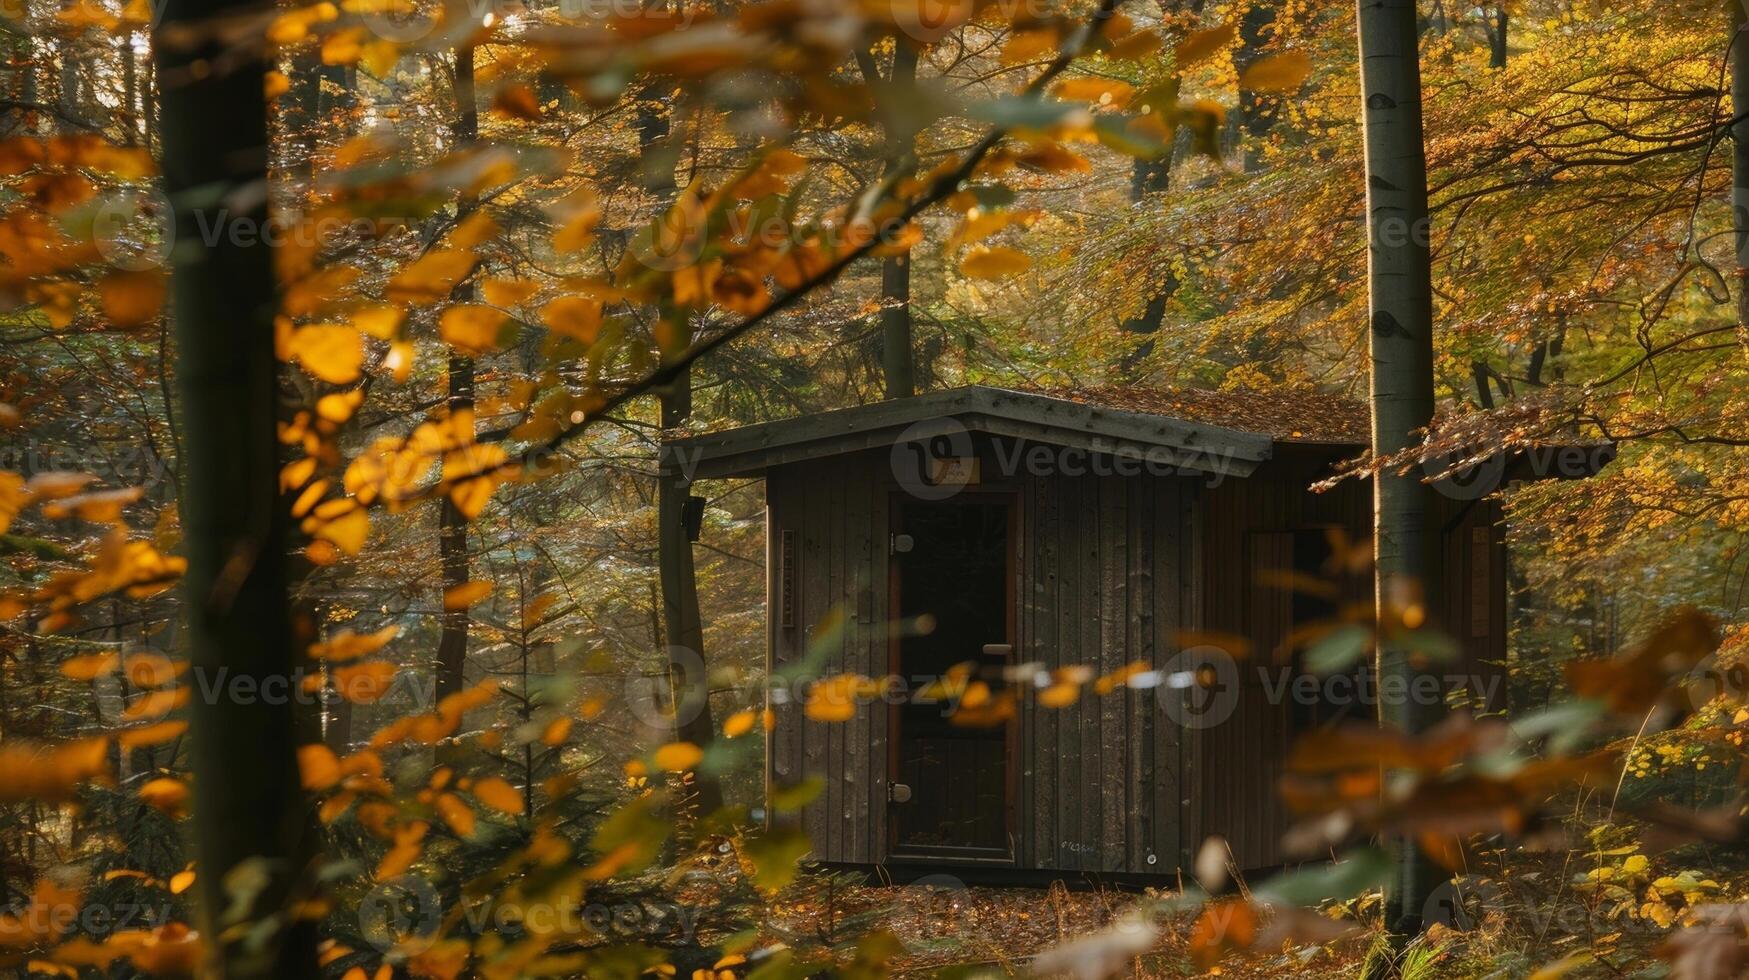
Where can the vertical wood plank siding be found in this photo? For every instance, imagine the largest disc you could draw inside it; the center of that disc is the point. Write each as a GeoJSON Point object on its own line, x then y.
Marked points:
{"type": "Point", "coordinates": [1109, 570]}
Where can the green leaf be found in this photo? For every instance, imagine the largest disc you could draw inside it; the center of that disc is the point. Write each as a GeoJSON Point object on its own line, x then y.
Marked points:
{"type": "Point", "coordinates": [788, 799]}
{"type": "Point", "coordinates": [1025, 112]}
{"type": "Point", "coordinates": [1359, 871]}
{"type": "Point", "coordinates": [776, 856]}
{"type": "Point", "coordinates": [1339, 649]}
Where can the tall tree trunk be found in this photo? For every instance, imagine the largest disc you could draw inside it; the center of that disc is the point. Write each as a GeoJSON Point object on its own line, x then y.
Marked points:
{"type": "Point", "coordinates": [1497, 35]}
{"type": "Point", "coordinates": [898, 357]}
{"type": "Point", "coordinates": [248, 805]}
{"type": "Point", "coordinates": [1407, 587]}
{"type": "Point", "coordinates": [1739, 48]}
{"type": "Point", "coordinates": [452, 528]}
{"type": "Point", "coordinates": [1257, 110]}
{"type": "Point", "coordinates": [681, 622]}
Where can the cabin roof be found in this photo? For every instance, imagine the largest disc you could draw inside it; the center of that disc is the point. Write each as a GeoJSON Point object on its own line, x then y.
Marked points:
{"type": "Point", "coordinates": [1205, 431]}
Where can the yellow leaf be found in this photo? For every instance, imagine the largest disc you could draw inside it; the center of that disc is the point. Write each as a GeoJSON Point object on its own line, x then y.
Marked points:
{"type": "Point", "coordinates": [573, 316]}
{"type": "Point", "coordinates": [181, 881]}
{"type": "Point", "coordinates": [346, 531]}
{"type": "Point", "coordinates": [466, 594]}
{"type": "Point", "coordinates": [132, 299]}
{"type": "Point", "coordinates": [147, 668]}
{"type": "Point", "coordinates": [318, 766]}
{"type": "Point", "coordinates": [333, 352]}
{"type": "Point", "coordinates": [431, 277]}
{"type": "Point", "coordinates": [738, 724]}
{"type": "Point", "coordinates": [677, 756]}
{"type": "Point", "coordinates": [1059, 695]}
{"type": "Point", "coordinates": [165, 794]}
{"type": "Point", "coordinates": [381, 322]}
{"type": "Point", "coordinates": [366, 682]}
{"type": "Point", "coordinates": [1200, 46]}
{"type": "Point", "coordinates": [498, 794]}
{"type": "Point", "coordinates": [456, 813]}
{"type": "Point", "coordinates": [471, 328]}
{"type": "Point", "coordinates": [157, 704]}
{"type": "Point", "coordinates": [89, 666]}
{"type": "Point", "coordinates": [155, 734]}
{"type": "Point", "coordinates": [994, 263]}
{"type": "Point", "coordinates": [508, 292]}
{"type": "Point", "coordinates": [1284, 72]}
{"type": "Point", "coordinates": [556, 731]}
{"type": "Point", "coordinates": [1105, 91]}
{"type": "Point", "coordinates": [1029, 45]}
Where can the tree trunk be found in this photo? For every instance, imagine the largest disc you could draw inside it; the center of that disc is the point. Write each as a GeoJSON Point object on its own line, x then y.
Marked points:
{"type": "Point", "coordinates": [452, 528]}
{"type": "Point", "coordinates": [248, 804]}
{"type": "Point", "coordinates": [1740, 154]}
{"type": "Point", "coordinates": [1497, 35]}
{"type": "Point", "coordinates": [1407, 587]}
{"type": "Point", "coordinates": [898, 357]}
{"type": "Point", "coordinates": [681, 622]}
{"type": "Point", "coordinates": [1257, 110]}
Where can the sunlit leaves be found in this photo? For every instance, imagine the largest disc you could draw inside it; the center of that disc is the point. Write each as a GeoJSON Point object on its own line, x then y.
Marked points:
{"type": "Point", "coordinates": [1199, 46]}
{"type": "Point", "coordinates": [677, 756]}
{"type": "Point", "coordinates": [1284, 72]}
{"type": "Point", "coordinates": [318, 766]}
{"type": "Point", "coordinates": [468, 593]}
{"type": "Point", "coordinates": [497, 793]}
{"type": "Point", "coordinates": [474, 329]}
{"type": "Point", "coordinates": [994, 262]}
{"type": "Point", "coordinates": [165, 794]}
{"type": "Point", "coordinates": [51, 773]}
{"type": "Point", "coordinates": [333, 352]}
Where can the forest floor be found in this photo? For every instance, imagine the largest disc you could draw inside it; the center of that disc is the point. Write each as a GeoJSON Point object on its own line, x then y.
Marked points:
{"type": "Point", "coordinates": [1001, 929]}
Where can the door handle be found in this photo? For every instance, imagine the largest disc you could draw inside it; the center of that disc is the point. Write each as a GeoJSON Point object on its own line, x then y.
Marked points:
{"type": "Point", "coordinates": [1003, 650]}
{"type": "Point", "coordinates": [898, 793]}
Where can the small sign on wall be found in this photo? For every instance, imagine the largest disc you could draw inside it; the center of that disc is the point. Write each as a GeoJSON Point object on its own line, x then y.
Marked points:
{"type": "Point", "coordinates": [955, 471]}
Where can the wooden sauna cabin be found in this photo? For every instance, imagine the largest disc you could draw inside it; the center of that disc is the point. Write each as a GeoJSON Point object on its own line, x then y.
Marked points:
{"type": "Point", "coordinates": [1053, 528]}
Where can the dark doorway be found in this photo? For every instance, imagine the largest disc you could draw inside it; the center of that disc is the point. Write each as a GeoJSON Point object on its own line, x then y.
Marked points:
{"type": "Point", "coordinates": [953, 571]}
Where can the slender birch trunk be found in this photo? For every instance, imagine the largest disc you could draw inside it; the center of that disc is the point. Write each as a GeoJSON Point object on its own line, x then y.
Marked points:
{"type": "Point", "coordinates": [1406, 534]}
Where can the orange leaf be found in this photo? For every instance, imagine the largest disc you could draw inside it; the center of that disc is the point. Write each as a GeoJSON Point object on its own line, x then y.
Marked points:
{"type": "Point", "coordinates": [677, 756]}
{"type": "Point", "coordinates": [456, 814]}
{"type": "Point", "coordinates": [1200, 46]}
{"type": "Point", "coordinates": [498, 794]}
{"type": "Point", "coordinates": [1284, 72]}
{"type": "Point", "coordinates": [89, 666]}
{"type": "Point", "coordinates": [464, 595]}
{"type": "Point", "coordinates": [366, 682]}
{"type": "Point", "coordinates": [995, 263]}
{"type": "Point", "coordinates": [318, 766]}
{"type": "Point", "coordinates": [333, 352]}
{"type": "Point", "coordinates": [156, 734]}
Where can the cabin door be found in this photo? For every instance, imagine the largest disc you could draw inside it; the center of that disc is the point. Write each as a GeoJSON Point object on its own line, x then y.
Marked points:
{"type": "Point", "coordinates": [952, 784]}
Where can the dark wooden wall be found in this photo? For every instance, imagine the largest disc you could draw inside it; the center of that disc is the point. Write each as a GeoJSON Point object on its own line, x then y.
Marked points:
{"type": "Point", "coordinates": [1110, 569]}
{"type": "Point", "coordinates": [1102, 587]}
{"type": "Point", "coordinates": [1248, 526]}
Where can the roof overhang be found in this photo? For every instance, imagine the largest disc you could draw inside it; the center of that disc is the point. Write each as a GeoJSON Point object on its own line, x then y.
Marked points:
{"type": "Point", "coordinates": [951, 414]}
